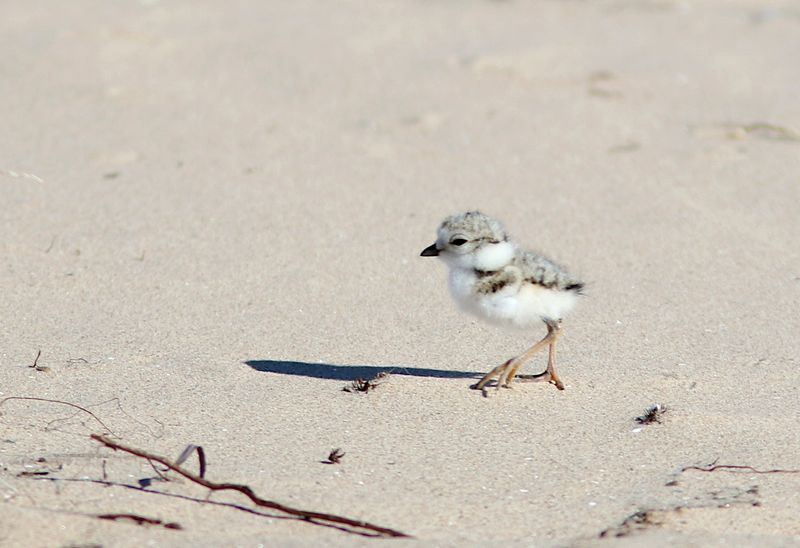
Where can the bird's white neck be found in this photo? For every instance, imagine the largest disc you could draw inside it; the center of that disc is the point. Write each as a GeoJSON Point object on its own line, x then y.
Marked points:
{"type": "Point", "coordinates": [493, 256]}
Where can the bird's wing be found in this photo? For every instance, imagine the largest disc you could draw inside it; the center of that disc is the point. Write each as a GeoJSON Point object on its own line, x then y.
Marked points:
{"type": "Point", "coordinates": [542, 271]}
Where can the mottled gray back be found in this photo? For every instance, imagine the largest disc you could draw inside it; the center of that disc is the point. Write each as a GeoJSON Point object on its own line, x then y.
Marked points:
{"type": "Point", "coordinates": [545, 272]}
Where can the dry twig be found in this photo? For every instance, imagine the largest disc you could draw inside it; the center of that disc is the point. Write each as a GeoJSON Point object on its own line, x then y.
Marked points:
{"type": "Point", "coordinates": [313, 517]}
{"type": "Point", "coordinates": [635, 523]}
{"type": "Point", "coordinates": [334, 457]}
{"type": "Point", "coordinates": [714, 467]}
{"type": "Point", "coordinates": [33, 473]}
{"type": "Point", "coordinates": [35, 365]}
{"type": "Point", "coordinates": [652, 414]}
{"type": "Point", "coordinates": [4, 400]}
{"type": "Point", "coordinates": [140, 520]}
{"type": "Point", "coordinates": [185, 454]}
{"type": "Point", "coordinates": [361, 385]}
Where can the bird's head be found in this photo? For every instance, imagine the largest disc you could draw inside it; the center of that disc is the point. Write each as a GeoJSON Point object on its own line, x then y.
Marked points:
{"type": "Point", "coordinates": [472, 240]}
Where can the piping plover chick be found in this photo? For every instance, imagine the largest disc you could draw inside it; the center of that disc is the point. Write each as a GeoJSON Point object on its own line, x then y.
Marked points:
{"type": "Point", "coordinates": [492, 278]}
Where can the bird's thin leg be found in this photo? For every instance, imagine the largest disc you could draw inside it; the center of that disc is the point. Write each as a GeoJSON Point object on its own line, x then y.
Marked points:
{"type": "Point", "coordinates": [529, 354]}
{"type": "Point", "coordinates": [551, 359]}
{"type": "Point", "coordinates": [513, 364]}
{"type": "Point", "coordinates": [549, 375]}
{"type": "Point", "coordinates": [508, 375]}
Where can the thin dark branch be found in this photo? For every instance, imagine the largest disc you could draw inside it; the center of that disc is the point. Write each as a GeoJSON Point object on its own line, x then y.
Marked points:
{"type": "Point", "coordinates": [157, 471]}
{"type": "Point", "coordinates": [35, 365]}
{"type": "Point", "coordinates": [134, 419]}
{"type": "Point", "coordinates": [231, 505]}
{"type": "Point", "coordinates": [95, 417]}
{"type": "Point", "coordinates": [140, 520]}
{"type": "Point", "coordinates": [714, 466]}
{"type": "Point", "coordinates": [249, 493]}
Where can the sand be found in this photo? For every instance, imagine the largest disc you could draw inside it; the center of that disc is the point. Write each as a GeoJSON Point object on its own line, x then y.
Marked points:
{"type": "Point", "coordinates": [211, 219]}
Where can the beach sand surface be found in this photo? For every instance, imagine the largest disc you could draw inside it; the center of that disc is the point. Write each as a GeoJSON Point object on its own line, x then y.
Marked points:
{"type": "Point", "coordinates": [211, 220]}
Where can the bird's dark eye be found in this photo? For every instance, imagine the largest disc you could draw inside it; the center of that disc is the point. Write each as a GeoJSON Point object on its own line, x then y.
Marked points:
{"type": "Point", "coordinates": [458, 241]}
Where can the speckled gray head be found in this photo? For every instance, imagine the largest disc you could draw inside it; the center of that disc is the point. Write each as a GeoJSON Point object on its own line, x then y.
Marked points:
{"type": "Point", "coordinates": [472, 240]}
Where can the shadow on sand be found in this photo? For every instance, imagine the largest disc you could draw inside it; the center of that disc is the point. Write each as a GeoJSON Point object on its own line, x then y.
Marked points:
{"type": "Point", "coordinates": [351, 372]}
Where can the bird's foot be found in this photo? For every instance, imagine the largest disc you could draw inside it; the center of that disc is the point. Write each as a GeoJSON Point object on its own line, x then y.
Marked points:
{"type": "Point", "coordinates": [503, 374]}
{"type": "Point", "coordinates": [547, 376]}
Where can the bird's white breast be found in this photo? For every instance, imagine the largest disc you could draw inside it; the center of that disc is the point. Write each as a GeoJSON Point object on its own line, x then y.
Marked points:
{"type": "Point", "coordinates": [499, 308]}
{"type": "Point", "coordinates": [461, 282]}
{"type": "Point", "coordinates": [519, 306]}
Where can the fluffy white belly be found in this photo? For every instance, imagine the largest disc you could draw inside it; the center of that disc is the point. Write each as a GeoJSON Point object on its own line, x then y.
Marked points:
{"type": "Point", "coordinates": [536, 303]}
{"type": "Point", "coordinates": [518, 306]}
{"type": "Point", "coordinates": [461, 282]}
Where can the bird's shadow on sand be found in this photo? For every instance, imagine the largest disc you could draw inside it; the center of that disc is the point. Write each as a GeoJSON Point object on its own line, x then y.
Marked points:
{"type": "Point", "coordinates": [351, 372]}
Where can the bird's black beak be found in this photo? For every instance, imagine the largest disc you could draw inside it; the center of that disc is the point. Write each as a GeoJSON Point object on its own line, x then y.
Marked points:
{"type": "Point", "coordinates": [430, 251]}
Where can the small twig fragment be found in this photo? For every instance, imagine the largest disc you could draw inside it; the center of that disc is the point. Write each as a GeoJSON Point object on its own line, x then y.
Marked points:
{"type": "Point", "coordinates": [652, 414]}
{"type": "Point", "coordinates": [32, 398]}
{"type": "Point", "coordinates": [361, 385]}
{"type": "Point", "coordinates": [35, 365]}
{"type": "Point", "coordinates": [634, 523]}
{"type": "Point", "coordinates": [158, 472]}
{"type": "Point", "coordinates": [33, 473]}
{"type": "Point", "coordinates": [43, 469]}
{"type": "Point", "coordinates": [334, 457]}
{"type": "Point", "coordinates": [713, 467]}
{"type": "Point", "coordinates": [141, 520]}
